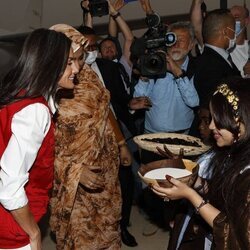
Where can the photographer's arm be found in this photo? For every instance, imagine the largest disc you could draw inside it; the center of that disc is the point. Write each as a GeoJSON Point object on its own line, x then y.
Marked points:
{"type": "Point", "coordinates": [87, 18]}
{"type": "Point", "coordinates": [196, 20]}
{"type": "Point", "coordinates": [126, 31]}
{"type": "Point", "coordinates": [146, 6]}
{"type": "Point", "coordinates": [185, 85]}
{"type": "Point", "coordinates": [113, 30]}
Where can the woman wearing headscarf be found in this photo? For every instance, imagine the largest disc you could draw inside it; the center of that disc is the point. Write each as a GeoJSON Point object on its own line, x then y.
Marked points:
{"type": "Point", "coordinates": [86, 200]}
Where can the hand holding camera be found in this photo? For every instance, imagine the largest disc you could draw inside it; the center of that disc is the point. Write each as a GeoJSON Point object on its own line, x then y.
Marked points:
{"type": "Point", "coordinates": [115, 5]}
{"type": "Point", "coordinates": [95, 7]}
{"type": "Point", "coordinates": [85, 6]}
{"type": "Point", "coordinates": [173, 67]}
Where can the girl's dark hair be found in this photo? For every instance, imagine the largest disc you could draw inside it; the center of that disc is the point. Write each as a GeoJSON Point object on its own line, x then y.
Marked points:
{"type": "Point", "coordinates": [227, 162]}
{"type": "Point", "coordinates": [40, 66]}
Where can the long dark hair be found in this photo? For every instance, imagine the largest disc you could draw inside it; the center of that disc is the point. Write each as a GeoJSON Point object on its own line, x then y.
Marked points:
{"type": "Point", "coordinates": [228, 162]}
{"type": "Point", "coordinates": [40, 66]}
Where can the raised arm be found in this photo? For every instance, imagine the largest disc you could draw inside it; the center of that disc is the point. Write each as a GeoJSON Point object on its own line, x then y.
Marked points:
{"type": "Point", "coordinates": [146, 6]}
{"type": "Point", "coordinates": [116, 19]}
{"type": "Point", "coordinates": [87, 18]}
{"type": "Point", "coordinates": [196, 19]}
{"type": "Point", "coordinates": [114, 7]}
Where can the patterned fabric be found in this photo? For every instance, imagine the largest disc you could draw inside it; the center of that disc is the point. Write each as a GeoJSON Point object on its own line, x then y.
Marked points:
{"type": "Point", "coordinates": [78, 40]}
{"type": "Point", "coordinates": [80, 218]}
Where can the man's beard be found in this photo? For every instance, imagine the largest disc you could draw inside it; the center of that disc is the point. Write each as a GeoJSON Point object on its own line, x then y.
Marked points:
{"type": "Point", "coordinates": [178, 55]}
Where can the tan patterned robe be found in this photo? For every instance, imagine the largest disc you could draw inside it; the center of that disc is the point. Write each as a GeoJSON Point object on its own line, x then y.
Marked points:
{"type": "Point", "coordinates": [80, 218]}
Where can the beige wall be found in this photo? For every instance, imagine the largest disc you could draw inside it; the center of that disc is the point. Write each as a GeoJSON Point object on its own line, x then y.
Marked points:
{"type": "Point", "coordinates": [18, 16]}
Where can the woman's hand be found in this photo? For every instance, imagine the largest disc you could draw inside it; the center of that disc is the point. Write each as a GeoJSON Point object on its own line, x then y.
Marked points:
{"type": "Point", "coordinates": [125, 155]}
{"type": "Point", "coordinates": [179, 190]}
{"type": "Point", "coordinates": [35, 241]}
{"type": "Point", "coordinates": [26, 221]}
{"type": "Point", "coordinates": [92, 177]}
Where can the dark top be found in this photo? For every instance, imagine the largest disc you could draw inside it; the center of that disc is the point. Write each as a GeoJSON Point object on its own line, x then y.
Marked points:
{"type": "Point", "coordinates": [119, 97]}
{"type": "Point", "coordinates": [211, 69]}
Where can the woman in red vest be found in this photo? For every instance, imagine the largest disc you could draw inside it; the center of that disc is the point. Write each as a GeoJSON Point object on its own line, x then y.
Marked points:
{"type": "Point", "coordinates": [27, 96]}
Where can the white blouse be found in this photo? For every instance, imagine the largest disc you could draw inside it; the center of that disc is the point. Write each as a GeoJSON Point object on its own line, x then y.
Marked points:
{"type": "Point", "coordinates": [29, 127]}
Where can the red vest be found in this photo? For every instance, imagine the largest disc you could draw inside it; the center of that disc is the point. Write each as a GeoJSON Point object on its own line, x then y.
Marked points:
{"type": "Point", "coordinates": [40, 177]}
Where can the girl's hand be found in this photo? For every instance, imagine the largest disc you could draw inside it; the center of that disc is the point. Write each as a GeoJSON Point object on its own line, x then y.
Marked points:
{"type": "Point", "coordinates": [179, 190]}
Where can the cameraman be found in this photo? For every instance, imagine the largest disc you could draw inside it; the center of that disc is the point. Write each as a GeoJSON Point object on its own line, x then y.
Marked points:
{"type": "Point", "coordinates": [173, 96]}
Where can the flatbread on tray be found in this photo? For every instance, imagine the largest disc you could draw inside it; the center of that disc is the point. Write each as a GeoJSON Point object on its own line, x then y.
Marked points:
{"type": "Point", "coordinates": [174, 142]}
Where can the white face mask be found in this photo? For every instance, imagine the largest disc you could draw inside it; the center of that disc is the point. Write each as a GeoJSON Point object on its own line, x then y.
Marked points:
{"type": "Point", "coordinates": [91, 56]}
{"type": "Point", "coordinates": [232, 42]}
{"type": "Point", "coordinates": [238, 28]}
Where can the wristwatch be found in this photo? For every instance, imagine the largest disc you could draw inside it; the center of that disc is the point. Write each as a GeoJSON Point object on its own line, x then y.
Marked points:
{"type": "Point", "coordinates": [116, 15]}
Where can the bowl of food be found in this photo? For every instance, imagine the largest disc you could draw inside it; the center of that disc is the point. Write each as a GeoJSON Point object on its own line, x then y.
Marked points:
{"type": "Point", "coordinates": [180, 169]}
{"type": "Point", "coordinates": [174, 142]}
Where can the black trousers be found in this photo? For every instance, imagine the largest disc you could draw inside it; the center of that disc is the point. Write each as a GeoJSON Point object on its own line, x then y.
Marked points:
{"type": "Point", "coordinates": [126, 178]}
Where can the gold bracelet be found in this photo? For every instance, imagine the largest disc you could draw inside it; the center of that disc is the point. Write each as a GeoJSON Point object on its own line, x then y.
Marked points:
{"type": "Point", "coordinates": [203, 203]}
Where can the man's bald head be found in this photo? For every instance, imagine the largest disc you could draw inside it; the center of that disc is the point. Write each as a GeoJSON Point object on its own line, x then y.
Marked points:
{"type": "Point", "coordinates": [215, 22]}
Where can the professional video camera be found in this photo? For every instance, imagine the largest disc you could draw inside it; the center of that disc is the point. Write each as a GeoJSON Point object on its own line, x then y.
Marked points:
{"type": "Point", "coordinates": [97, 7]}
{"type": "Point", "coordinates": [150, 49]}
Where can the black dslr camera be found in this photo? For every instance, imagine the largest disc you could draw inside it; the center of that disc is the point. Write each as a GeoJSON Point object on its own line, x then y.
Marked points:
{"type": "Point", "coordinates": [98, 7]}
{"type": "Point", "coordinates": [150, 49]}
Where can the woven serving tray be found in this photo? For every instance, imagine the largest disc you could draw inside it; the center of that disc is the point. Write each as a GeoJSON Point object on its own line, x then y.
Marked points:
{"type": "Point", "coordinates": [188, 150]}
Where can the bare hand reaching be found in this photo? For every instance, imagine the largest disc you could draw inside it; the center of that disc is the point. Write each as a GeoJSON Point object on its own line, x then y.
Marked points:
{"type": "Point", "coordinates": [168, 154]}
{"type": "Point", "coordinates": [141, 102]}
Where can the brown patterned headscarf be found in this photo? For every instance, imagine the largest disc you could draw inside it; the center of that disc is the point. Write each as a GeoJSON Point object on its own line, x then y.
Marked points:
{"type": "Point", "coordinates": [78, 40]}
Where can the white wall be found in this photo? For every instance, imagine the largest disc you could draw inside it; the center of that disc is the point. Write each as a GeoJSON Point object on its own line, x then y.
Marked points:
{"type": "Point", "coordinates": [18, 16]}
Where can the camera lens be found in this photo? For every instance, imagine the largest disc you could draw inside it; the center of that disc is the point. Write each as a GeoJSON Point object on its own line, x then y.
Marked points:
{"type": "Point", "coordinates": [154, 63]}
